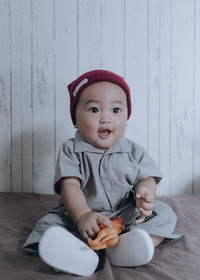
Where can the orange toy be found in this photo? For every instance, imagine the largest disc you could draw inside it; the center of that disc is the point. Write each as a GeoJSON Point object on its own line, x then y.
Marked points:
{"type": "Point", "coordinates": [107, 236]}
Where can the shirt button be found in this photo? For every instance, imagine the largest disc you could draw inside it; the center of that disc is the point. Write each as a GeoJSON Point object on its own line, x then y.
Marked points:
{"type": "Point", "coordinates": [108, 184]}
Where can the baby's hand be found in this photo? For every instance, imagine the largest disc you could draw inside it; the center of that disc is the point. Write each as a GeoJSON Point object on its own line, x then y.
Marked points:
{"type": "Point", "coordinates": [89, 222]}
{"type": "Point", "coordinates": [144, 203]}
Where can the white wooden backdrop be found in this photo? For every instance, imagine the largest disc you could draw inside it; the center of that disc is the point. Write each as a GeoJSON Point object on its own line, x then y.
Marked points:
{"type": "Point", "coordinates": [44, 44]}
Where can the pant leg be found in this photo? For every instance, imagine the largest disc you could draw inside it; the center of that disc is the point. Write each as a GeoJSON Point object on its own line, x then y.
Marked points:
{"type": "Point", "coordinates": [162, 224]}
{"type": "Point", "coordinates": [52, 219]}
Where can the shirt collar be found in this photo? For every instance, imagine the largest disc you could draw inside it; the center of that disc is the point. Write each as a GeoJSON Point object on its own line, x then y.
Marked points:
{"type": "Point", "coordinates": [82, 146]}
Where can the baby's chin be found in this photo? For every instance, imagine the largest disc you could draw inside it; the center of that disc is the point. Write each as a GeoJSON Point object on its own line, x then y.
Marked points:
{"type": "Point", "coordinates": [103, 146]}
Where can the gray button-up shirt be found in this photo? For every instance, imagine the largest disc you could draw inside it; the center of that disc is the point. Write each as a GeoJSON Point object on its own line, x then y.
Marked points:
{"type": "Point", "coordinates": [106, 177]}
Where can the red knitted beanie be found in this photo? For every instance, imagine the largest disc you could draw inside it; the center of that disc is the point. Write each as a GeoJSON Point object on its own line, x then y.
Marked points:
{"type": "Point", "coordinates": [77, 86]}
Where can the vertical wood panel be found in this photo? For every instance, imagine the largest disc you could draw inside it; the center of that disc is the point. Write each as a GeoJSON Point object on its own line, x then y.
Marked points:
{"type": "Point", "coordinates": [136, 68]}
{"type": "Point", "coordinates": [165, 94]}
{"type": "Point", "coordinates": [21, 95]}
{"type": "Point", "coordinates": [26, 85]}
{"type": "Point", "coordinates": [43, 95]}
{"type": "Point", "coordinates": [113, 35]}
{"type": "Point", "coordinates": [5, 98]}
{"type": "Point", "coordinates": [89, 35]}
{"type": "Point", "coordinates": [16, 95]}
{"type": "Point", "coordinates": [153, 80]}
{"type": "Point", "coordinates": [182, 96]}
{"type": "Point", "coordinates": [65, 65]}
{"type": "Point", "coordinates": [196, 151]}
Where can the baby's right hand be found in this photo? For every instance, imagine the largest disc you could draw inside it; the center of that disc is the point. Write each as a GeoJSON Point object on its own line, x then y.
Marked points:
{"type": "Point", "coordinates": [88, 223]}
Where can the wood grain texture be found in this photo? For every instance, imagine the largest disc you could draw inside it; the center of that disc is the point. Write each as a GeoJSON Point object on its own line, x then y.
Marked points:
{"type": "Point", "coordinates": [46, 44]}
{"type": "Point", "coordinates": [5, 98]}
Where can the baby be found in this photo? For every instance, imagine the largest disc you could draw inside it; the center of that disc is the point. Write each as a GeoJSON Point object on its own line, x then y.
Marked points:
{"type": "Point", "coordinates": [99, 175]}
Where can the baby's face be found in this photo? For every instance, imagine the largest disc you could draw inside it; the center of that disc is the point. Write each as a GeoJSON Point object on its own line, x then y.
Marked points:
{"type": "Point", "coordinates": [101, 114]}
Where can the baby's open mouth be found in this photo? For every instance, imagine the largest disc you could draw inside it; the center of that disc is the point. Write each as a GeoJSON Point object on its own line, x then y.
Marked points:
{"type": "Point", "coordinates": [104, 133]}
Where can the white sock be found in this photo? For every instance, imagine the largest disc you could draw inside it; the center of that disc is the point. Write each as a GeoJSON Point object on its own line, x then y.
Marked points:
{"type": "Point", "coordinates": [134, 249]}
{"type": "Point", "coordinates": [65, 252]}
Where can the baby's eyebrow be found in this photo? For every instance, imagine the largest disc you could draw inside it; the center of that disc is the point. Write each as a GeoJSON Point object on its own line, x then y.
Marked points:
{"type": "Point", "coordinates": [119, 102]}
{"type": "Point", "coordinates": [91, 101]}
{"type": "Point", "coordinates": [114, 102]}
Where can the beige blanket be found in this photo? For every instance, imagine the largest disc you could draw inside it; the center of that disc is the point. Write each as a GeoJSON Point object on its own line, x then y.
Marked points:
{"type": "Point", "coordinates": [176, 260]}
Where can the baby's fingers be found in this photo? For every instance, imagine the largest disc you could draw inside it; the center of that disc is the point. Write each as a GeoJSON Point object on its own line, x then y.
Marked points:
{"type": "Point", "coordinates": [142, 191]}
{"type": "Point", "coordinates": [140, 220]}
{"type": "Point", "coordinates": [147, 206]}
{"type": "Point", "coordinates": [148, 198]}
{"type": "Point", "coordinates": [104, 220]}
{"type": "Point", "coordinates": [145, 213]}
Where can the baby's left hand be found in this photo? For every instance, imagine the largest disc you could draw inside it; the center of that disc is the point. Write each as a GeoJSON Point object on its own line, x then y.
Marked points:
{"type": "Point", "coordinates": [144, 203]}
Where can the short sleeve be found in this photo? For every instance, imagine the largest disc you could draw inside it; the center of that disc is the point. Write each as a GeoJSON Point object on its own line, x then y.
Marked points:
{"type": "Point", "coordinates": [146, 166]}
{"type": "Point", "coordinates": [67, 164]}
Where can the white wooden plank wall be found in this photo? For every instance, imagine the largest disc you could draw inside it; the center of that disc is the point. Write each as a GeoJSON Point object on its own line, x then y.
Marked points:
{"type": "Point", "coordinates": [44, 44]}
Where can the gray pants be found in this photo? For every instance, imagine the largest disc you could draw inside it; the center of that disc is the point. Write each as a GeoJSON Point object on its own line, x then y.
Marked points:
{"type": "Point", "coordinates": [161, 223]}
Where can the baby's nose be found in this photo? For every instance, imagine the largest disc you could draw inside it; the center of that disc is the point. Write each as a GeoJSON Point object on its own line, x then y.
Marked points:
{"type": "Point", "coordinates": [105, 117]}
{"type": "Point", "coordinates": [104, 120]}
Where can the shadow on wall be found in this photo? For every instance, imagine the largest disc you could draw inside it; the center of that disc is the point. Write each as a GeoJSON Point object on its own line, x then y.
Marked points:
{"type": "Point", "coordinates": [196, 185]}
{"type": "Point", "coordinates": [28, 161]}
{"type": "Point", "coordinates": [189, 187]}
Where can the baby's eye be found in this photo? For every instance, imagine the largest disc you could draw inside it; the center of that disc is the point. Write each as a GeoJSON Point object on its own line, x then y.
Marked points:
{"type": "Point", "coordinates": [116, 110]}
{"type": "Point", "coordinates": [94, 110]}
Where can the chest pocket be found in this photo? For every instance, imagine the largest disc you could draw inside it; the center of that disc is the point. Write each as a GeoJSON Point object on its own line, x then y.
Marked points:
{"type": "Point", "coordinates": [122, 171]}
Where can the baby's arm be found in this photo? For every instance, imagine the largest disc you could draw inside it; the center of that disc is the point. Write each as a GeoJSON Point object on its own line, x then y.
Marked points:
{"type": "Point", "coordinates": [76, 205]}
{"type": "Point", "coordinates": [145, 195]}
